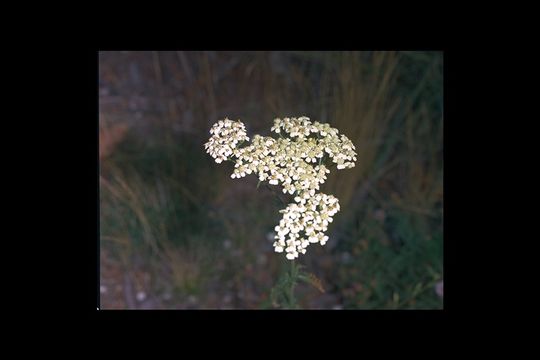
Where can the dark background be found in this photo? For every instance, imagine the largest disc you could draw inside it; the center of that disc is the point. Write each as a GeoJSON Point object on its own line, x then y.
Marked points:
{"type": "Point", "coordinates": [178, 232]}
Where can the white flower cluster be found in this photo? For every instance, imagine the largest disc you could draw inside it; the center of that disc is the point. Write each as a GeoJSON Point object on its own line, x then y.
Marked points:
{"type": "Point", "coordinates": [305, 222]}
{"type": "Point", "coordinates": [296, 162]}
{"type": "Point", "coordinates": [226, 135]}
{"type": "Point", "coordinates": [339, 148]}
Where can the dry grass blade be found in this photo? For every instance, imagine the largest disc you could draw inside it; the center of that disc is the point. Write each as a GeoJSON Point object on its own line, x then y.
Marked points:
{"type": "Point", "coordinates": [184, 266]}
{"type": "Point", "coordinates": [313, 280]}
{"type": "Point", "coordinates": [362, 108]}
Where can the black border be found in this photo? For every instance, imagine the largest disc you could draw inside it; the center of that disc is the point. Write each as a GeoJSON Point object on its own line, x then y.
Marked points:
{"type": "Point", "coordinates": [90, 128]}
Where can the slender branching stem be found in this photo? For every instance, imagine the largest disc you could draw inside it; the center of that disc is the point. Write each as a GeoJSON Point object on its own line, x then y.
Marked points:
{"type": "Point", "coordinates": [292, 300]}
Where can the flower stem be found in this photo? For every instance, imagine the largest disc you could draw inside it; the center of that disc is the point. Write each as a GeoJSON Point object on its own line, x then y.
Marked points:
{"type": "Point", "coordinates": [292, 300]}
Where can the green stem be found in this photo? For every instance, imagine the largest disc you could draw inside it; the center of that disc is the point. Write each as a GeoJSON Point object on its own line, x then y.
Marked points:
{"type": "Point", "coordinates": [291, 303]}
{"type": "Point", "coordinates": [292, 300]}
{"type": "Point", "coordinates": [292, 278]}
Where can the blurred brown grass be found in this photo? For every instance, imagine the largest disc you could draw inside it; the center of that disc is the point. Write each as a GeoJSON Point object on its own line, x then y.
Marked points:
{"type": "Point", "coordinates": [109, 137]}
{"type": "Point", "coordinates": [362, 108]}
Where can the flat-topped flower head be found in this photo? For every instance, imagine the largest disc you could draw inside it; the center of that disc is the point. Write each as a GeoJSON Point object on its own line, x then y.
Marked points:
{"type": "Point", "coordinates": [296, 161]}
{"type": "Point", "coordinates": [226, 136]}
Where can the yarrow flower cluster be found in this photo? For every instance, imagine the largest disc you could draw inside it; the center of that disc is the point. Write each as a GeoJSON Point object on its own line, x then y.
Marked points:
{"type": "Point", "coordinates": [226, 135]}
{"type": "Point", "coordinates": [295, 161]}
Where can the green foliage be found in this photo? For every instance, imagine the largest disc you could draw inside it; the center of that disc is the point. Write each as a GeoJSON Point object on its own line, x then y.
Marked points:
{"type": "Point", "coordinates": [396, 265]}
{"type": "Point", "coordinates": [282, 294]}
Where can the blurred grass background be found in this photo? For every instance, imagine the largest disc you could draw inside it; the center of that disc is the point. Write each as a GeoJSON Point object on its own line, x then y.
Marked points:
{"type": "Point", "coordinates": [176, 232]}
